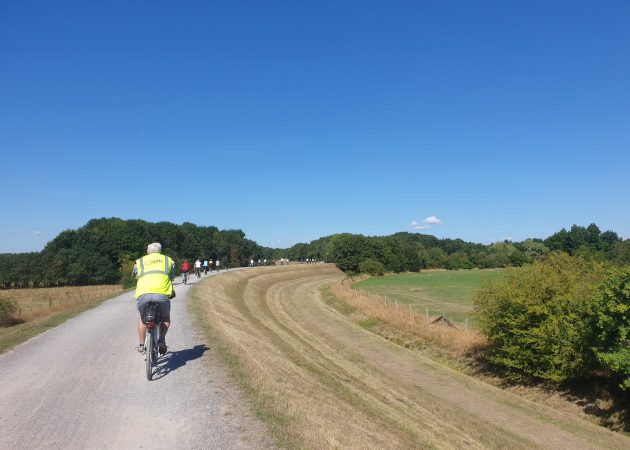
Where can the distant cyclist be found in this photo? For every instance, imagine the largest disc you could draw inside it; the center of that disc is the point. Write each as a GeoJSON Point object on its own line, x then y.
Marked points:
{"type": "Point", "coordinates": [185, 268]}
{"type": "Point", "coordinates": [155, 284]}
{"type": "Point", "coordinates": [205, 267]}
{"type": "Point", "coordinates": [198, 268]}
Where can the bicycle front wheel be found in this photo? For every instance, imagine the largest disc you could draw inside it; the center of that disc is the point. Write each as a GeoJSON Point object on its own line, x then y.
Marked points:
{"type": "Point", "coordinates": [149, 346]}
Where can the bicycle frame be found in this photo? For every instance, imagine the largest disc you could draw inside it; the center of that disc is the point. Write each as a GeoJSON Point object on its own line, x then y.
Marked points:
{"type": "Point", "coordinates": [152, 337]}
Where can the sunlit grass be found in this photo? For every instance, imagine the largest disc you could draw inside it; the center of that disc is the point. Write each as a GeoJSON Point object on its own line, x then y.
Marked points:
{"type": "Point", "coordinates": [448, 292]}
{"type": "Point", "coordinates": [41, 309]}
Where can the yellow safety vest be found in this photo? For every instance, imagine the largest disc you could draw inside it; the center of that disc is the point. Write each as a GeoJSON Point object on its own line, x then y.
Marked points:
{"type": "Point", "coordinates": [154, 272]}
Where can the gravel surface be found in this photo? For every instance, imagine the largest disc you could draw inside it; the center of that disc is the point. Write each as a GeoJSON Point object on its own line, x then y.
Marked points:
{"type": "Point", "coordinates": [83, 385]}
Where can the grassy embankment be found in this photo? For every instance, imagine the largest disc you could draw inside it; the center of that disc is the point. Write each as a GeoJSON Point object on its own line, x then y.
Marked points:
{"type": "Point", "coordinates": [41, 309]}
{"type": "Point", "coordinates": [320, 381]}
{"type": "Point", "coordinates": [453, 292]}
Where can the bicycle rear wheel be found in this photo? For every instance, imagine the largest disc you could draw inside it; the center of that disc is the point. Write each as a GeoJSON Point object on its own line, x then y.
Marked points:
{"type": "Point", "coordinates": [149, 346]}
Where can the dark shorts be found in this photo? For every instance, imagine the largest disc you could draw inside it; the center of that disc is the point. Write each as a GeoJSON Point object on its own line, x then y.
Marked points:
{"type": "Point", "coordinates": [163, 302]}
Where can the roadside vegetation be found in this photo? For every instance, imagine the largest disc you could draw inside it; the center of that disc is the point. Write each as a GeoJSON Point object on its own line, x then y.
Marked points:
{"type": "Point", "coordinates": [560, 319]}
{"type": "Point", "coordinates": [25, 313]}
{"type": "Point", "coordinates": [397, 322]}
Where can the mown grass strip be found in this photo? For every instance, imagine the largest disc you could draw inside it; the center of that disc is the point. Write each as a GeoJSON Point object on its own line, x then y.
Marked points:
{"type": "Point", "coordinates": [262, 405]}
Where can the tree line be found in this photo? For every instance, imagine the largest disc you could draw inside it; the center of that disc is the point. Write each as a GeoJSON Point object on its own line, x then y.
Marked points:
{"type": "Point", "coordinates": [412, 252]}
{"type": "Point", "coordinates": [100, 251]}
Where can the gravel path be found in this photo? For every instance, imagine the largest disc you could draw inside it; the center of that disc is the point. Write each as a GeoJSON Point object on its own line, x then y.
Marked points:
{"type": "Point", "coordinates": [83, 385]}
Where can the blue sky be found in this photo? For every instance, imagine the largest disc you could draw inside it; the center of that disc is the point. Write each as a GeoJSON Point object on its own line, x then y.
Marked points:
{"type": "Point", "coordinates": [295, 120]}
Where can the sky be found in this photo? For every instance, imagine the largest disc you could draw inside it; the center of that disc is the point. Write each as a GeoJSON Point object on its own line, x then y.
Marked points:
{"type": "Point", "coordinates": [293, 120]}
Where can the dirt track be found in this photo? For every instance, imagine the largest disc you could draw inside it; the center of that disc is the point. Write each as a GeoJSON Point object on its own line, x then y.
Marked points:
{"type": "Point", "coordinates": [334, 384]}
{"type": "Point", "coordinates": [82, 385]}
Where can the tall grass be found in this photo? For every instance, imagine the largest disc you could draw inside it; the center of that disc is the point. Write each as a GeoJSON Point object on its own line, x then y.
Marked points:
{"type": "Point", "coordinates": [36, 303]}
{"type": "Point", "coordinates": [460, 340]}
{"type": "Point", "coordinates": [40, 309]}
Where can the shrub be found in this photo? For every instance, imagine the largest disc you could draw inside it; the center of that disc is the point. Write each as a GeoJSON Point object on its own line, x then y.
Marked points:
{"type": "Point", "coordinates": [541, 318]}
{"type": "Point", "coordinates": [127, 280]}
{"type": "Point", "coordinates": [371, 267]}
{"type": "Point", "coordinates": [613, 325]}
{"type": "Point", "coordinates": [8, 308]}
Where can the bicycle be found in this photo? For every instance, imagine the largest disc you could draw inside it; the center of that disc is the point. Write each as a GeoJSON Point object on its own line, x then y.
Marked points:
{"type": "Point", "coordinates": [153, 320]}
{"type": "Point", "coordinates": [184, 277]}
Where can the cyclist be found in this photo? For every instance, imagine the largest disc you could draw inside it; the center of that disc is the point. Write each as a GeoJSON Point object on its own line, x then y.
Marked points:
{"type": "Point", "coordinates": [198, 268]}
{"type": "Point", "coordinates": [217, 264]}
{"type": "Point", "coordinates": [205, 267]}
{"type": "Point", "coordinates": [184, 268]}
{"type": "Point", "coordinates": [155, 284]}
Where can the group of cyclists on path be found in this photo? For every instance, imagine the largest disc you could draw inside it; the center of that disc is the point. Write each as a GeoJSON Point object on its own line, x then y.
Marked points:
{"type": "Point", "coordinates": [155, 273]}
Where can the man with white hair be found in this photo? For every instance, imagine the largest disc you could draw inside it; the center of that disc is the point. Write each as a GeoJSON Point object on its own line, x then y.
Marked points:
{"type": "Point", "coordinates": [155, 284]}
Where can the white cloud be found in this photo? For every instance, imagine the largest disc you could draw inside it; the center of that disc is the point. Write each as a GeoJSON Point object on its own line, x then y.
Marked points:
{"type": "Point", "coordinates": [432, 220]}
{"type": "Point", "coordinates": [426, 224]}
{"type": "Point", "coordinates": [416, 226]}
{"type": "Point", "coordinates": [37, 232]}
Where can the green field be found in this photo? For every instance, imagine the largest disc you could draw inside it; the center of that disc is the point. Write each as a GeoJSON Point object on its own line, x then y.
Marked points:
{"type": "Point", "coordinates": [450, 292]}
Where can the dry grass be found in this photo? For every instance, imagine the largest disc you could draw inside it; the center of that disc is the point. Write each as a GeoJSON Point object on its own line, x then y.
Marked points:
{"type": "Point", "coordinates": [41, 309]}
{"type": "Point", "coordinates": [322, 382]}
{"type": "Point", "coordinates": [461, 341]}
{"type": "Point", "coordinates": [37, 303]}
{"type": "Point", "coordinates": [465, 352]}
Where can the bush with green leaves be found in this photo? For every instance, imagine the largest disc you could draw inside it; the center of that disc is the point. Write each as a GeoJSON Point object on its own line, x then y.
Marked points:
{"type": "Point", "coordinates": [127, 279]}
{"type": "Point", "coordinates": [371, 267]}
{"type": "Point", "coordinates": [541, 319]}
{"type": "Point", "coordinates": [8, 308]}
{"type": "Point", "coordinates": [613, 325]}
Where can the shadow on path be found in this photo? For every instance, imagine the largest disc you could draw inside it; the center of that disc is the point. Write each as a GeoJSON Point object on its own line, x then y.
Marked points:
{"type": "Point", "coordinates": [174, 360]}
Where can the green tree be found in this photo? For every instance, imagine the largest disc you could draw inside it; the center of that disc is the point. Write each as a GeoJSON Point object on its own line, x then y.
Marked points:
{"type": "Point", "coordinates": [612, 345]}
{"type": "Point", "coordinates": [347, 251]}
